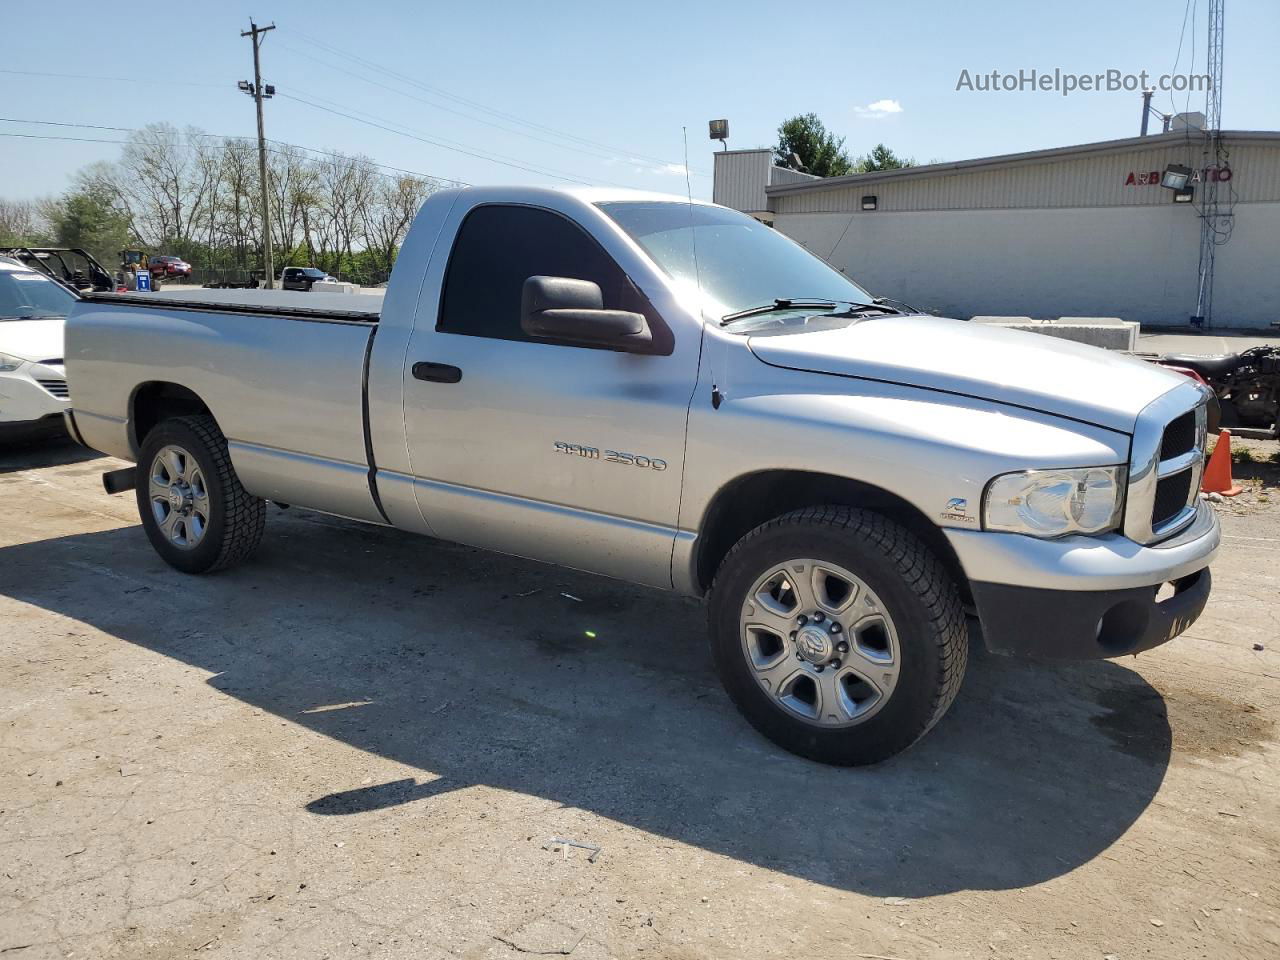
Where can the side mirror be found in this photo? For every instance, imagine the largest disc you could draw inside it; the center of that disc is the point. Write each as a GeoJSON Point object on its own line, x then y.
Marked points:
{"type": "Point", "coordinates": [572, 311]}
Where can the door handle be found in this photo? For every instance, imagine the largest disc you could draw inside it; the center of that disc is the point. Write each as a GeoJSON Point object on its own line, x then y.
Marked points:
{"type": "Point", "coordinates": [436, 372]}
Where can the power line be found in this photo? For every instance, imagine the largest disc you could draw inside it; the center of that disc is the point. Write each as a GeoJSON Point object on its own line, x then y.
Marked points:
{"type": "Point", "coordinates": [628, 155]}
{"type": "Point", "coordinates": [36, 136]}
{"type": "Point", "coordinates": [381, 124]}
{"type": "Point", "coordinates": [57, 123]}
{"type": "Point", "coordinates": [86, 76]}
{"type": "Point", "coordinates": [600, 154]}
{"type": "Point", "coordinates": [515, 118]}
{"type": "Point", "coordinates": [213, 136]}
{"type": "Point", "coordinates": [1186, 16]}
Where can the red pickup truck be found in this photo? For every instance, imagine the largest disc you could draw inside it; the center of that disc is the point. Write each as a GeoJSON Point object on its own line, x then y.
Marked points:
{"type": "Point", "coordinates": [167, 266]}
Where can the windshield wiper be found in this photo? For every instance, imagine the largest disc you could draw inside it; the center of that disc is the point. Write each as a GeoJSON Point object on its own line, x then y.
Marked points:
{"type": "Point", "coordinates": [902, 307]}
{"type": "Point", "coordinates": [792, 303]}
{"type": "Point", "coordinates": [857, 309]}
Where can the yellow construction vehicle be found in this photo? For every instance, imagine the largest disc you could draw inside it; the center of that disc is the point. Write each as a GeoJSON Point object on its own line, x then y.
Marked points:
{"type": "Point", "coordinates": [131, 263]}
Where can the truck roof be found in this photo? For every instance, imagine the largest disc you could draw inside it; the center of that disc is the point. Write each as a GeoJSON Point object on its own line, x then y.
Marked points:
{"type": "Point", "coordinates": [587, 194]}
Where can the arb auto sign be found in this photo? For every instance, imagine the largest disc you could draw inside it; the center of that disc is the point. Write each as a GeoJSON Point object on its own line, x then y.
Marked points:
{"type": "Point", "coordinates": [1152, 178]}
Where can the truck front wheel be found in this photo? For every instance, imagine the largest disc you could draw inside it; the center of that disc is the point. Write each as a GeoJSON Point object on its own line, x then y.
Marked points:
{"type": "Point", "coordinates": [838, 634]}
{"type": "Point", "coordinates": [193, 508]}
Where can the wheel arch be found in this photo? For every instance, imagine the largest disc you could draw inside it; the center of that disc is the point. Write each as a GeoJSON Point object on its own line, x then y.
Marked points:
{"type": "Point", "coordinates": [157, 400]}
{"type": "Point", "coordinates": [755, 498]}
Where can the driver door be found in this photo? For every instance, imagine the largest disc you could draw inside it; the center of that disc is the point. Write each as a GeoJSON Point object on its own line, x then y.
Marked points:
{"type": "Point", "coordinates": [568, 454]}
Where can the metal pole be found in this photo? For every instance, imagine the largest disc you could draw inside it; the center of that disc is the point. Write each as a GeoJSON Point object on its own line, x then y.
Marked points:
{"type": "Point", "coordinates": [1211, 217]}
{"type": "Point", "coordinates": [1146, 111]}
{"type": "Point", "coordinates": [255, 32]}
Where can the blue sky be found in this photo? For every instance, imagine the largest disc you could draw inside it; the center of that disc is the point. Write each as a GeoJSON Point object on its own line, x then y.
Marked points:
{"type": "Point", "coordinates": [623, 78]}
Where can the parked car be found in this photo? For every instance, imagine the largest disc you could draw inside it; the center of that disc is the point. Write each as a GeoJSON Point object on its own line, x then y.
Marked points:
{"type": "Point", "coordinates": [33, 384]}
{"type": "Point", "coordinates": [556, 376]}
{"type": "Point", "coordinates": [303, 278]}
{"type": "Point", "coordinates": [167, 266]}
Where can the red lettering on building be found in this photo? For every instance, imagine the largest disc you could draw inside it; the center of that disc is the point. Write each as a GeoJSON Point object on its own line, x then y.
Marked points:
{"type": "Point", "coordinates": [1153, 178]}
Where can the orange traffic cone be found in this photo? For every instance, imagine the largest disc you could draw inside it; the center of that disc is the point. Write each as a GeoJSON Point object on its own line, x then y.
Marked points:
{"type": "Point", "coordinates": [1217, 472]}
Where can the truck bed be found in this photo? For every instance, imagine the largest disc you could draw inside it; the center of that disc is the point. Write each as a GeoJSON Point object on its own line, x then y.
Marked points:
{"type": "Point", "coordinates": [352, 307]}
{"type": "Point", "coordinates": [283, 373]}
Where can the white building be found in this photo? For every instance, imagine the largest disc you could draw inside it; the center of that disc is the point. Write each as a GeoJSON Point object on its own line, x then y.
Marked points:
{"type": "Point", "coordinates": [1076, 231]}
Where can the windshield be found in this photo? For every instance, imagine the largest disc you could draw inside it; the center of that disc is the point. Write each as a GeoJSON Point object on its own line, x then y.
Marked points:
{"type": "Point", "coordinates": [741, 263]}
{"type": "Point", "coordinates": [27, 294]}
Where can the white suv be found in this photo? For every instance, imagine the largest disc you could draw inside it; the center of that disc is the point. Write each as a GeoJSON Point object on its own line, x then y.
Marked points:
{"type": "Point", "coordinates": [33, 382]}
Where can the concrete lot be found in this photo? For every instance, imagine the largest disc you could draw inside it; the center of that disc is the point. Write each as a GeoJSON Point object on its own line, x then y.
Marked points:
{"type": "Point", "coordinates": [360, 744]}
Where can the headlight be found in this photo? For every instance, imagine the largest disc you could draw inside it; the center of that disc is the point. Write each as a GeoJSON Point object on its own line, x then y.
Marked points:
{"type": "Point", "coordinates": [8, 364]}
{"type": "Point", "coordinates": [1054, 503]}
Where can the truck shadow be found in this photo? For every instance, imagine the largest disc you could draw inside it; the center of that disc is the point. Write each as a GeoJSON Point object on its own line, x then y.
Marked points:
{"type": "Point", "coordinates": [480, 669]}
{"type": "Point", "coordinates": [50, 451]}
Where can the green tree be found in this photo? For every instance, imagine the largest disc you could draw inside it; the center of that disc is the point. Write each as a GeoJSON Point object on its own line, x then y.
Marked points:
{"type": "Point", "coordinates": [882, 158]}
{"type": "Point", "coordinates": [87, 217]}
{"type": "Point", "coordinates": [821, 152]}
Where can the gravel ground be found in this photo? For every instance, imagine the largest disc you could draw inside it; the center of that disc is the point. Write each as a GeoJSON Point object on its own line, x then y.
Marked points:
{"type": "Point", "coordinates": [362, 743]}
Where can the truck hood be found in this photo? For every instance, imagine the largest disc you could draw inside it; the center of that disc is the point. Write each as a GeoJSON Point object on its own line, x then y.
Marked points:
{"type": "Point", "coordinates": [37, 340]}
{"type": "Point", "coordinates": [1008, 366]}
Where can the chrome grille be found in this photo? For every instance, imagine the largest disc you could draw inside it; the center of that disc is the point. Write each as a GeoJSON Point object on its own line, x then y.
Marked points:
{"type": "Point", "coordinates": [1165, 464]}
{"type": "Point", "coordinates": [1171, 497]}
{"type": "Point", "coordinates": [1179, 436]}
{"type": "Point", "coordinates": [57, 387]}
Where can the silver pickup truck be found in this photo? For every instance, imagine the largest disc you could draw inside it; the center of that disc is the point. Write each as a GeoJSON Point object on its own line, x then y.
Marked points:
{"type": "Point", "coordinates": [676, 395]}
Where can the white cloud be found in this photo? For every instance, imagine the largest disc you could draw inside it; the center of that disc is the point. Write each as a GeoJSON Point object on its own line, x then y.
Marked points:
{"type": "Point", "coordinates": [671, 170]}
{"type": "Point", "coordinates": [878, 110]}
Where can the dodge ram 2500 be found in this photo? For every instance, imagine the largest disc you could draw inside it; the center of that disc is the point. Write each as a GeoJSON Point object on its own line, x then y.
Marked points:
{"type": "Point", "coordinates": [674, 394]}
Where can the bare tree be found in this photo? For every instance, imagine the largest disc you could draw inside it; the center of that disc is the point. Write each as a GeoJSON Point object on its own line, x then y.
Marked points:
{"type": "Point", "coordinates": [387, 219]}
{"type": "Point", "coordinates": [23, 222]}
{"type": "Point", "coordinates": [346, 185]}
{"type": "Point", "coordinates": [240, 227]}
{"type": "Point", "coordinates": [153, 177]}
{"type": "Point", "coordinates": [197, 195]}
{"type": "Point", "coordinates": [292, 178]}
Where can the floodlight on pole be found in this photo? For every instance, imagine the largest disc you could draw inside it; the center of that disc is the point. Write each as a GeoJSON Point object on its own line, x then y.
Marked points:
{"type": "Point", "coordinates": [719, 130]}
{"type": "Point", "coordinates": [1176, 176]}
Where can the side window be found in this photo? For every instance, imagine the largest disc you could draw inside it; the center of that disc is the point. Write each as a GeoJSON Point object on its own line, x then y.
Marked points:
{"type": "Point", "coordinates": [499, 247]}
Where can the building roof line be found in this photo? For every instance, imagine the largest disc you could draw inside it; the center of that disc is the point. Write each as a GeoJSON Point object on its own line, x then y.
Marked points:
{"type": "Point", "coordinates": [1013, 159]}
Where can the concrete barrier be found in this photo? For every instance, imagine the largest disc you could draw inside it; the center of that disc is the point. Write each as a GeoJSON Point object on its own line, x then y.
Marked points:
{"type": "Point", "coordinates": [1111, 333]}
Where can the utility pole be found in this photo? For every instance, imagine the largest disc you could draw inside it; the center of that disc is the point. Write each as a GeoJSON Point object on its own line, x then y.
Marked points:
{"type": "Point", "coordinates": [259, 93]}
{"type": "Point", "coordinates": [1215, 226]}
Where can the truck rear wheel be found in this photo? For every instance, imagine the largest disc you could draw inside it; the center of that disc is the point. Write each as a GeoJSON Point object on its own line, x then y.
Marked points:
{"type": "Point", "coordinates": [193, 508]}
{"type": "Point", "coordinates": [838, 634]}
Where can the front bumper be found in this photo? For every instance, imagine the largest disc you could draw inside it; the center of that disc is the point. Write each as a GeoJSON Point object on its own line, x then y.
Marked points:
{"type": "Point", "coordinates": [1087, 597]}
{"type": "Point", "coordinates": [1062, 625]}
{"type": "Point", "coordinates": [24, 400]}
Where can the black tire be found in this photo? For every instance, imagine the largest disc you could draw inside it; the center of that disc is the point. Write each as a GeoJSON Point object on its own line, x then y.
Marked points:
{"type": "Point", "coordinates": [236, 519]}
{"type": "Point", "coordinates": [915, 590]}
